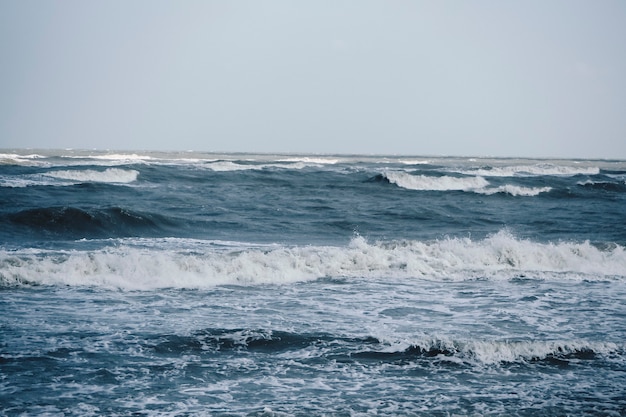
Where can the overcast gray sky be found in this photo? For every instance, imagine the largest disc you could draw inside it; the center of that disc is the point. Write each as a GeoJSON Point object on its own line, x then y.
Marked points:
{"type": "Point", "coordinates": [499, 78]}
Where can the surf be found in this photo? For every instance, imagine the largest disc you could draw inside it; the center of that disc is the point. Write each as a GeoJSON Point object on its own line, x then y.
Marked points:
{"type": "Point", "coordinates": [199, 264]}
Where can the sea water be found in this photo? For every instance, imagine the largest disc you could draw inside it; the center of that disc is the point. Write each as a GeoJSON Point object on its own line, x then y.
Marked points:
{"type": "Point", "coordinates": [195, 284]}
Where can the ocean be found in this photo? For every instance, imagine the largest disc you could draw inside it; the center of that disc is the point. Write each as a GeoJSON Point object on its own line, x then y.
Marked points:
{"type": "Point", "coordinates": [200, 284]}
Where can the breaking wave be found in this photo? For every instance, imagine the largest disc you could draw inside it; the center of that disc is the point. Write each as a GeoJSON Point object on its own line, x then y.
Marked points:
{"type": "Point", "coordinates": [515, 190]}
{"type": "Point", "coordinates": [532, 170]}
{"type": "Point", "coordinates": [430, 183]}
{"type": "Point", "coordinates": [297, 164]}
{"type": "Point", "coordinates": [109, 175]}
{"type": "Point", "coordinates": [23, 160]}
{"type": "Point", "coordinates": [200, 264]}
{"type": "Point", "coordinates": [371, 348]}
{"type": "Point", "coordinates": [477, 185]}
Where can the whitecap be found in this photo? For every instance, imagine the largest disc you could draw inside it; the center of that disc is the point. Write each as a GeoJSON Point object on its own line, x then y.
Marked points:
{"type": "Point", "coordinates": [128, 266]}
{"type": "Point", "coordinates": [432, 183]}
{"type": "Point", "coordinates": [531, 170]}
{"type": "Point", "coordinates": [516, 190]}
{"type": "Point", "coordinates": [109, 175]}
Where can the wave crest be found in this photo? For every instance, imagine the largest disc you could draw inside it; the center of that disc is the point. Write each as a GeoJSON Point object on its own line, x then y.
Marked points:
{"type": "Point", "coordinates": [202, 265]}
{"type": "Point", "coordinates": [477, 185]}
{"type": "Point", "coordinates": [370, 348]}
{"type": "Point", "coordinates": [109, 175]}
{"type": "Point", "coordinates": [430, 183]}
{"type": "Point", "coordinates": [543, 169]}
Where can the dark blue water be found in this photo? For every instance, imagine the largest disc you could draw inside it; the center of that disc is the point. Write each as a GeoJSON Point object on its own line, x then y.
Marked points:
{"type": "Point", "coordinates": [203, 284]}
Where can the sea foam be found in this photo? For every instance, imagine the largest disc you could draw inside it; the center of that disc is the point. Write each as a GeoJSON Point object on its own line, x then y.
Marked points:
{"type": "Point", "coordinates": [476, 184]}
{"type": "Point", "coordinates": [531, 170]}
{"type": "Point", "coordinates": [129, 266]}
{"type": "Point", "coordinates": [490, 352]}
{"type": "Point", "coordinates": [109, 175]}
{"type": "Point", "coordinates": [430, 183]}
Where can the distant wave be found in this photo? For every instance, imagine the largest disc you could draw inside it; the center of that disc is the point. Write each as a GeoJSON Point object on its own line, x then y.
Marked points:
{"type": "Point", "coordinates": [20, 181]}
{"type": "Point", "coordinates": [106, 159]}
{"type": "Point", "coordinates": [430, 183]}
{"type": "Point", "coordinates": [317, 160]}
{"type": "Point", "coordinates": [225, 166]}
{"type": "Point", "coordinates": [531, 170]}
{"type": "Point", "coordinates": [23, 160]}
{"type": "Point", "coordinates": [604, 185]}
{"type": "Point", "coordinates": [515, 190]}
{"type": "Point", "coordinates": [120, 157]}
{"type": "Point", "coordinates": [447, 183]}
{"type": "Point", "coordinates": [414, 161]}
{"type": "Point", "coordinates": [64, 159]}
{"type": "Point", "coordinates": [128, 266]}
{"type": "Point", "coordinates": [109, 175]}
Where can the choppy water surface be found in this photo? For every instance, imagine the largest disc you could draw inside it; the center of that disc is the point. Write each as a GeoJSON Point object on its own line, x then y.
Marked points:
{"type": "Point", "coordinates": [202, 284]}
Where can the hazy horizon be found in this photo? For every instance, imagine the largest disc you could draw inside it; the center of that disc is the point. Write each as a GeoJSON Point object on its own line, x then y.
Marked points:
{"type": "Point", "coordinates": [480, 79]}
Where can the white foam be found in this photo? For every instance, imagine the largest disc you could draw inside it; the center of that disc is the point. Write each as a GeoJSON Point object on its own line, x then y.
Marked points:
{"type": "Point", "coordinates": [109, 175]}
{"type": "Point", "coordinates": [469, 184]}
{"type": "Point", "coordinates": [413, 161]}
{"type": "Point", "coordinates": [516, 190]}
{"type": "Point", "coordinates": [532, 170]}
{"type": "Point", "coordinates": [489, 352]}
{"type": "Point", "coordinates": [129, 266]}
{"type": "Point", "coordinates": [20, 181]}
{"type": "Point", "coordinates": [23, 160]}
{"type": "Point", "coordinates": [225, 166]}
{"type": "Point", "coordinates": [312, 160]}
{"type": "Point", "coordinates": [128, 158]}
{"type": "Point", "coordinates": [430, 183]}
{"type": "Point", "coordinates": [603, 183]}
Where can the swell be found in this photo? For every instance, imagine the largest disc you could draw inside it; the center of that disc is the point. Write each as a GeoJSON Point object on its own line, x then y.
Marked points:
{"type": "Point", "coordinates": [73, 222]}
{"type": "Point", "coordinates": [607, 186]}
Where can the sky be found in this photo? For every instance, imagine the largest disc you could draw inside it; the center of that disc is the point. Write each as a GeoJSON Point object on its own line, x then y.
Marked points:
{"type": "Point", "coordinates": [535, 78]}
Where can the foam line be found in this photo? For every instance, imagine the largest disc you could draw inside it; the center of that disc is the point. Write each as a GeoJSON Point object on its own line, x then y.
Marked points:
{"type": "Point", "coordinates": [127, 266]}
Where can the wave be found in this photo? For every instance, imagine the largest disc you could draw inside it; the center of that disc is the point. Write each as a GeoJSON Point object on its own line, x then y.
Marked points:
{"type": "Point", "coordinates": [493, 352]}
{"type": "Point", "coordinates": [21, 160]}
{"type": "Point", "coordinates": [73, 159]}
{"type": "Point", "coordinates": [319, 160]}
{"type": "Point", "coordinates": [226, 166]}
{"type": "Point", "coordinates": [371, 348]}
{"type": "Point", "coordinates": [120, 157]}
{"type": "Point", "coordinates": [430, 183]}
{"type": "Point", "coordinates": [414, 161]}
{"type": "Point", "coordinates": [105, 159]}
{"type": "Point", "coordinates": [532, 170]}
{"type": "Point", "coordinates": [447, 183]}
{"type": "Point", "coordinates": [201, 264]}
{"type": "Point", "coordinates": [80, 223]}
{"type": "Point", "coordinates": [109, 175]}
{"type": "Point", "coordinates": [515, 190]}
{"type": "Point", "coordinates": [21, 181]}
{"type": "Point", "coordinates": [604, 185]}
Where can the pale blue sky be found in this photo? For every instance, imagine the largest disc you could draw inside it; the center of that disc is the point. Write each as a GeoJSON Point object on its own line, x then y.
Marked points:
{"type": "Point", "coordinates": [498, 78]}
